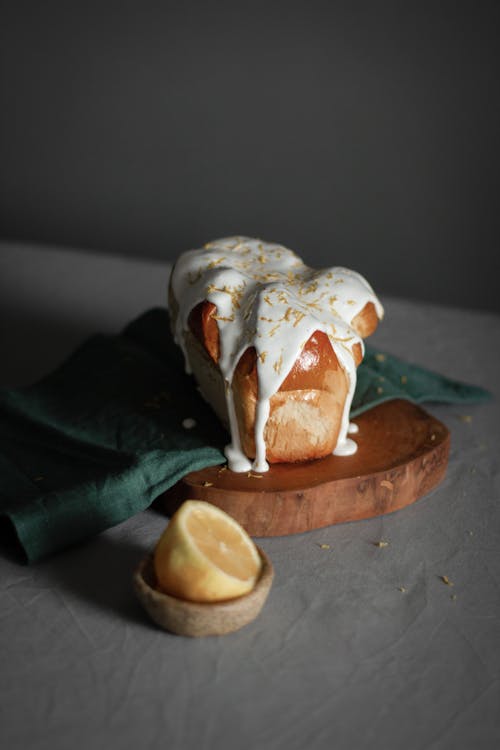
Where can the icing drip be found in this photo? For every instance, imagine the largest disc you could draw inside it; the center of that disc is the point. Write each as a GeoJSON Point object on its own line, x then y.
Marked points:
{"type": "Point", "coordinates": [266, 297]}
{"type": "Point", "coordinates": [261, 416]}
{"type": "Point", "coordinates": [346, 448]}
{"type": "Point", "coordinates": [236, 459]}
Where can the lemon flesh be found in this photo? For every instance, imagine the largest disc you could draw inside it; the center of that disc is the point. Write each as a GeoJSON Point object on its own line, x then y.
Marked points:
{"type": "Point", "coordinates": [204, 555]}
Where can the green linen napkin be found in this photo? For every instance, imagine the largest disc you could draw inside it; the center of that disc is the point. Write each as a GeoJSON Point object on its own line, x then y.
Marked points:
{"type": "Point", "coordinates": [382, 377]}
{"type": "Point", "coordinates": [111, 429]}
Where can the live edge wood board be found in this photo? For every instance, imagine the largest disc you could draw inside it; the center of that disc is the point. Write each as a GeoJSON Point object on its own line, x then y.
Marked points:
{"type": "Point", "coordinates": [402, 455]}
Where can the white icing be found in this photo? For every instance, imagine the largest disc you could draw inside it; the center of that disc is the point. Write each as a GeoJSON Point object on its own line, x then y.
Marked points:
{"type": "Point", "coordinates": [353, 428]}
{"type": "Point", "coordinates": [266, 297]}
{"type": "Point", "coordinates": [346, 448]}
{"type": "Point", "coordinates": [236, 459]}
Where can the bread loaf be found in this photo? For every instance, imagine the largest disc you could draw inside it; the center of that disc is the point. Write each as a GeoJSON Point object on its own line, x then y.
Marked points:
{"type": "Point", "coordinates": [274, 346]}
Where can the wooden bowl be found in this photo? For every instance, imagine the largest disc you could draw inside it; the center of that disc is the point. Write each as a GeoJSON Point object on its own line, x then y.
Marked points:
{"type": "Point", "coordinates": [199, 618]}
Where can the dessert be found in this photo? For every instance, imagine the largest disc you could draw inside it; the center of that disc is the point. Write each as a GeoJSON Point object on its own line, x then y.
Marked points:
{"type": "Point", "coordinates": [274, 346]}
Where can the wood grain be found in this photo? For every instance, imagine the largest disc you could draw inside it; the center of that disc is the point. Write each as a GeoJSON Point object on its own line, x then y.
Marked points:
{"type": "Point", "coordinates": [402, 455]}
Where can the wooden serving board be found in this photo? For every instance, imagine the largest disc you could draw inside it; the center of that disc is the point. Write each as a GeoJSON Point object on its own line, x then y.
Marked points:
{"type": "Point", "coordinates": [402, 454]}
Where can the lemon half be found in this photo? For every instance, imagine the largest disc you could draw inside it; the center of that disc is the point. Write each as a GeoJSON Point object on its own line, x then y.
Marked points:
{"type": "Point", "coordinates": [204, 555]}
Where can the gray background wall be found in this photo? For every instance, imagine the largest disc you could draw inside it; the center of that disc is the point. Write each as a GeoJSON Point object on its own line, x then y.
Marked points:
{"type": "Point", "coordinates": [359, 134]}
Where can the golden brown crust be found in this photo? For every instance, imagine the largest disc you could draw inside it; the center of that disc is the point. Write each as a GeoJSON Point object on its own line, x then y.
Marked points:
{"type": "Point", "coordinates": [204, 326]}
{"type": "Point", "coordinates": [303, 422]}
{"type": "Point", "coordinates": [306, 412]}
{"type": "Point", "coordinates": [316, 357]}
{"type": "Point", "coordinates": [366, 321]}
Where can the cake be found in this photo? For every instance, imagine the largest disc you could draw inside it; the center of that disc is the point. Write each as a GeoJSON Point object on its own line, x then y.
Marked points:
{"type": "Point", "coordinates": [273, 345]}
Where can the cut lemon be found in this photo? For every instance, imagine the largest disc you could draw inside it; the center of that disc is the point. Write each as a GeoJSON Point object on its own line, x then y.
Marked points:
{"type": "Point", "coordinates": [204, 555]}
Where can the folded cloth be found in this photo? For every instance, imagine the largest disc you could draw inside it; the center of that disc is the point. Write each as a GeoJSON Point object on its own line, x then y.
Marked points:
{"type": "Point", "coordinates": [119, 423]}
{"type": "Point", "coordinates": [382, 377]}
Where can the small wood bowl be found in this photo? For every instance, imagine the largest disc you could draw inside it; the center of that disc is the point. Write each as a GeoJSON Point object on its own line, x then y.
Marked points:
{"type": "Point", "coordinates": [199, 618]}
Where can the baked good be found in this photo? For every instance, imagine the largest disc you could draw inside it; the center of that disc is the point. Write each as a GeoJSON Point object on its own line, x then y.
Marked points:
{"type": "Point", "coordinates": [274, 346]}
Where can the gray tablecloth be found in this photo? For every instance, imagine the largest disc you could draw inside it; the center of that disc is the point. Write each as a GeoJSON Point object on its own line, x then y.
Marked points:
{"type": "Point", "coordinates": [358, 646]}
